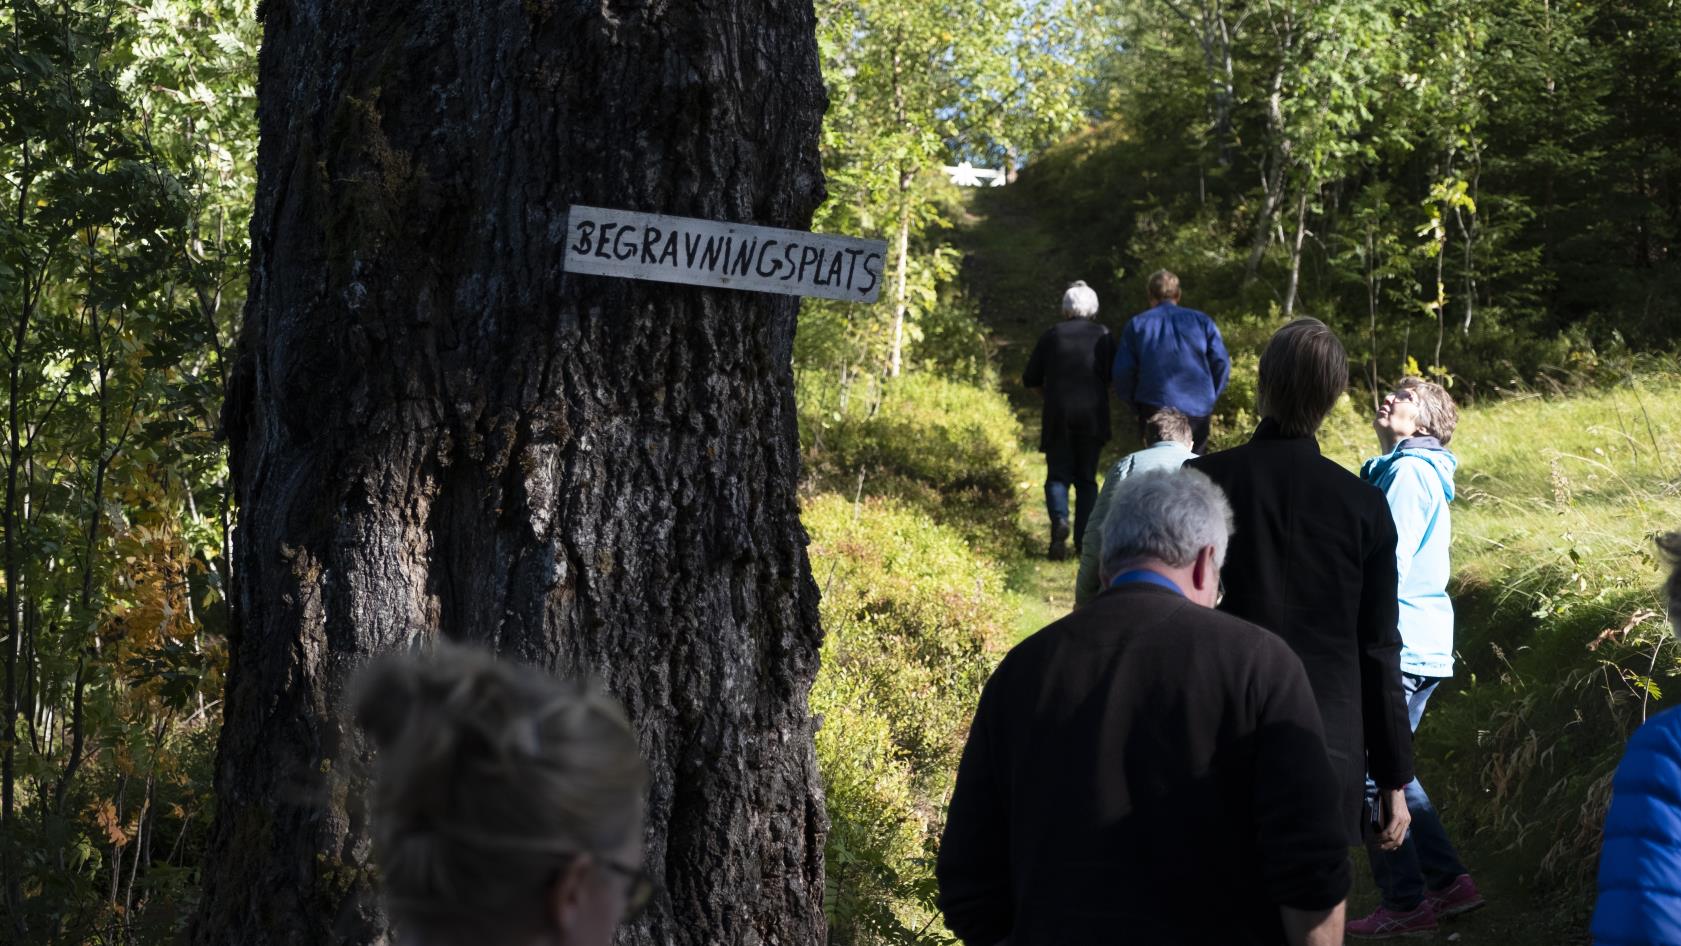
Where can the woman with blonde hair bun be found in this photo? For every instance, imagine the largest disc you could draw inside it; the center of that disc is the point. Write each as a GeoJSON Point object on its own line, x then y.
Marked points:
{"type": "Point", "coordinates": [507, 805]}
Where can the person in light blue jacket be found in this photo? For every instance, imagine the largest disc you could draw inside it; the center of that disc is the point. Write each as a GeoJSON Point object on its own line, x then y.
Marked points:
{"type": "Point", "coordinates": [1168, 433]}
{"type": "Point", "coordinates": [1423, 880]}
{"type": "Point", "coordinates": [1639, 900]}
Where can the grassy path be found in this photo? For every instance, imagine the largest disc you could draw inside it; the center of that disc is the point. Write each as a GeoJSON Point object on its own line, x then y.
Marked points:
{"type": "Point", "coordinates": [1017, 272]}
{"type": "Point", "coordinates": [1015, 269]}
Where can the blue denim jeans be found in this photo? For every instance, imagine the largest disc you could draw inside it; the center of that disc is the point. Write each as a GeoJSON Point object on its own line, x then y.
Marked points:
{"type": "Point", "coordinates": [1426, 860]}
{"type": "Point", "coordinates": [1072, 461]}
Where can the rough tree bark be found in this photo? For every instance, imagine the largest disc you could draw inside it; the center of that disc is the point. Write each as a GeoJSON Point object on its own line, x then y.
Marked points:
{"type": "Point", "coordinates": [433, 430]}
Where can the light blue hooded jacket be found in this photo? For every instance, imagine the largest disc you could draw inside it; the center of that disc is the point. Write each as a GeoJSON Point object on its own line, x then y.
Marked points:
{"type": "Point", "coordinates": [1417, 477]}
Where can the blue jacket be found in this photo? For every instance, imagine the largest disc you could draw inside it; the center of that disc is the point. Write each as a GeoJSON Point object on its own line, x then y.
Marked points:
{"type": "Point", "coordinates": [1640, 864]}
{"type": "Point", "coordinates": [1171, 356]}
{"type": "Point", "coordinates": [1417, 479]}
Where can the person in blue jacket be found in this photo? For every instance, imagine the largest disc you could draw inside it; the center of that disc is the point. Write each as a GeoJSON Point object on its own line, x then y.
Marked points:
{"type": "Point", "coordinates": [1640, 864]}
{"type": "Point", "coordinates": [1171, 356]}
{"type": "Point", "coordinates": [1423, 880]}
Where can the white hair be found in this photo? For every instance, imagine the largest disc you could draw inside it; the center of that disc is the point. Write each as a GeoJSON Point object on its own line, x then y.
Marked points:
{"type": "Point", "coordinates": [1079, 301]}
{"type": "Point", "coordinates": [1165, 515]}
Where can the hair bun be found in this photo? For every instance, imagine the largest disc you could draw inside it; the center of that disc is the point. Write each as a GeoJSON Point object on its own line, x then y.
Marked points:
{"type": "Point", "coordinates": [386, 697]}
{"type": "Point", "coordinates": [491, 774]}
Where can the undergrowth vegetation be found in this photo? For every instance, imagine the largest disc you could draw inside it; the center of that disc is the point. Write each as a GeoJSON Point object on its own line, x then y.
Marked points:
{"type": "Point", "coordinates": [911, 506]}
{"type": "Point", "coordinates": [1565, 644]}
{"type": "Point", "coordinates": [1562, 643]}
{"type": "Point", "coordinates": [917, 491]}
{"type": "Point", "coordinates": [913, 622]}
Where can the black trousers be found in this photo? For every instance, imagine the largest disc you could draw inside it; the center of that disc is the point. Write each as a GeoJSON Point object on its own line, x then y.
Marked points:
{"type": "Point", "coordinates": [1199, 427]}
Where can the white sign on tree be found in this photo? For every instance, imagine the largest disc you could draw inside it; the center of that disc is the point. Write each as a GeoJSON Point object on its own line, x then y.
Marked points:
{"type": "Point", "coordinates": [695, 252]}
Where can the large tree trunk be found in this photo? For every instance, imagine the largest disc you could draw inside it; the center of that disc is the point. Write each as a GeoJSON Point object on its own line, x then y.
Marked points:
{"type": "Point", "coordinates": [433, 430]}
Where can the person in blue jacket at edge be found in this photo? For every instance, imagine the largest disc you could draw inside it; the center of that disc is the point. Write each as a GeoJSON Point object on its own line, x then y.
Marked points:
{"type": "Point", "coordinates": [1423, 880]}
{"type": "Point", "coordinates": [1640, 863]}
{"type": "Point", "coordinates": [1171, 356]}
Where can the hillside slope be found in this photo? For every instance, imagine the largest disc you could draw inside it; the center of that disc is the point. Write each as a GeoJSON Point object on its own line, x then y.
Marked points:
{"type": "Point", "coordinates": [1562, 646]}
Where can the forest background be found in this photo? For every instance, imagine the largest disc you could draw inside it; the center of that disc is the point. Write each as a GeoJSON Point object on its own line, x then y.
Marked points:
{"type": "Point", "coordinates": [1488, 194]}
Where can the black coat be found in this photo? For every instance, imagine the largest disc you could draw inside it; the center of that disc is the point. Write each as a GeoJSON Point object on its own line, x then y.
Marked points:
{"type": "Point", "coordinates": [1072, 362]}
{"type": "Point", "coordinates": [1313, 560]}
{"type": "Point", "coordinates": [1142, 771]}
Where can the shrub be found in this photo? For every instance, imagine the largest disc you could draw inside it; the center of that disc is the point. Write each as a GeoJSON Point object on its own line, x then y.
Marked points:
{"type": "Point", "coordinates": [950, 449]}
{"type": "Point", "coordinates": [914, 622]}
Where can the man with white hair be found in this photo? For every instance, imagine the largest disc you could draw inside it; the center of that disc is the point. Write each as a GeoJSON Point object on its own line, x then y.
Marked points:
{"type": "Point", "coordinates": [1070, 368]}
{"type": "Point", "coordinates": [1142, 752]}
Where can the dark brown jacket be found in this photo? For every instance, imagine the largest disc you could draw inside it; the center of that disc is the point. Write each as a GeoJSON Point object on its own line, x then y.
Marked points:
{"type": "Point", "coordinates": [1313, 560]}
{"type": "Point", "coordinates": [1142, 771]}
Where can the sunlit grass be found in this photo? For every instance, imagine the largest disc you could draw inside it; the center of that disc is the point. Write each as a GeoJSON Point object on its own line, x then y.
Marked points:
{"type": "Point", "coordinates": [1561, 639]}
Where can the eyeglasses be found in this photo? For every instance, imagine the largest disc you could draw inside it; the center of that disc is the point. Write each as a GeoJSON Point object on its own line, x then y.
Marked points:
{"type": "Point", "coordinates": [1219, 592]}
{"type": "Point", "coordinates": [638, 892]}
{"type": "Point", "coordinates": [1404, 394]}
{"type": "Point", "coordinates": [640, 889]}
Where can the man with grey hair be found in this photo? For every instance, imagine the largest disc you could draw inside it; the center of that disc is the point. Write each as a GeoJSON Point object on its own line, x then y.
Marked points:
{"type": "Point", "coordinates": [1143, 751]}
{"type": "Point", "coordinates": [1070, 368]}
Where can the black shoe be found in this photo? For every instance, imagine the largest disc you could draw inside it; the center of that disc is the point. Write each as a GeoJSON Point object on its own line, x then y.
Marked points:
{"type": "Point", "coordinates": [1059, 538]}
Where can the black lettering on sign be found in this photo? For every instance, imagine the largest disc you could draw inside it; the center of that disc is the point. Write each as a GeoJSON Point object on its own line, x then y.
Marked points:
{"type": "Point", "coordinates": [743, 258]}
{"type": "Point", "coordinates": [875, 274]}
{"type": "Point", "coordinates": [834, 271]}
{"type": "Point", "coordinates": [586, 229]}
{"type": "Point", "coordinates": [722, 254]}
{"type": "Point", "coordinates": [852, 265]}
{"type": "Point", "coordinates": [775, 264]}
{"type": "Point", "coordinates": [709, 257]}
{"type": "Point", "coordinates": [808, 255]}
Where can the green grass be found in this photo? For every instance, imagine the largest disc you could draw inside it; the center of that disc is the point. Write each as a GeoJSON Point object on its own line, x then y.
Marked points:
{"type": "Point", "coordinates": [1561, 646]}
{"type": "Point", "coordinates": [1560, 495]}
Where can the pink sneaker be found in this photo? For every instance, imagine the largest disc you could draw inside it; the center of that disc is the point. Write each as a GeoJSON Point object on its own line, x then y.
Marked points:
{"type": "Point", "coordinates": [1385, 923]}
{"type": "Point", "coordinates": [1461, 896]}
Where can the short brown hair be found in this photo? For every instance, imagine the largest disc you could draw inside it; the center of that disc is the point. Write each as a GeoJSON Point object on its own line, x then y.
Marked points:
{"type": "Point", "coordinates": [1168, 424]}
{"type": "Point", "coordinates": [1436, 411]}
{"type": "Point", "coordinates": [1303, 371]}
{"type": "Point", "coordinates": [1163, 285]}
